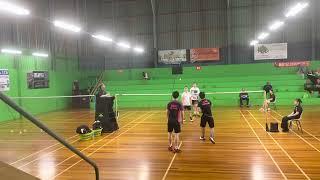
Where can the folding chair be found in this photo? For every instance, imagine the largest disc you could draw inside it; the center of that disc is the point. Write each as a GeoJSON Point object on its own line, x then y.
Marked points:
{"type": "Point", "coordinates": [298, 123]}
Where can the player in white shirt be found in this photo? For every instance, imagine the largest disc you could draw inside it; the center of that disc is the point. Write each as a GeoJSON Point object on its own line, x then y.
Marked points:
{"type": "Point", "coordinates": [194, 90]}
{"type": "Point", "coordinates": [186, 101]}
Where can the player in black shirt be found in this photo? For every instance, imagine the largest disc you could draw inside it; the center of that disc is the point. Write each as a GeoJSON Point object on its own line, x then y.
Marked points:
{"type": "Point", "coordinates": [296, 114]}
{"type": "Point", "coordinates": [175, 115]}
{"type": "Point", "coordinates": [244, 96]}
{"type": "Point", "coordinates": [207, 117]}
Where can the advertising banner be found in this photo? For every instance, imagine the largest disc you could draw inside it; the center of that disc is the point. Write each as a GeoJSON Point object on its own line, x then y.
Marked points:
{"type": "Point", "coordinates": [271, 51]}
{"type": "Point", "coordinates": [292, 64]}
{"type": "Point", "coordinates": [172, 56]}
{"type": "Point", "coordinates": [204, 54]}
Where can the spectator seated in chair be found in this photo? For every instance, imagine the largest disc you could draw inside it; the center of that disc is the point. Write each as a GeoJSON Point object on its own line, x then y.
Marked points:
{"type": "Point", "coordinates": [296, 114]}
{"type": "Point", "coordinates": [312, 83]}
{"type": "Point", "coordinates": [244, 96]}
{"type": "Point", "coordinates": [145, 75]}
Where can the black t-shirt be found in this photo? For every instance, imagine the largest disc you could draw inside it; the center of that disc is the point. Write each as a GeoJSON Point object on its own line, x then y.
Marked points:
{"type": "Point", "coordinates": [244, 95]}
{"type": "Point", "coordinates": [298, 109]}
{"type": "Point", "coordinates": [174, 107]}
{"type": "Point", "coordinates": [205, 106]}
{"type": "Point", "coordinates": [267, 88]}
{"type": "Point", "coordinates": [272, 97]}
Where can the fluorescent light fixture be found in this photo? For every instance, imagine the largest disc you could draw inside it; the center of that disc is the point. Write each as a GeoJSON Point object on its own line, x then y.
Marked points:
{"type": "Point", "coordinates": [39, 54]}
{"type": "Point", "coordinates": [138, 49]}
{"type": "Point", "coordinates": [296, 9]}
{"type": "Point", "coordinates": [124, 45]}
{"type": "Point", "coordinates": [13, 9]}
{"type": "Point", "coordinates": [276, 25]}
{"type": "Point", "coordinates": [263, 35]}
{"type": "Point", "coordinates": [67, 26]}
{"type": "Point", "coordinates": [11, 51]}
{"type": "Point", "coordinates": [102, 37]}
{"type": "Point", "coordinates": [254, 42]}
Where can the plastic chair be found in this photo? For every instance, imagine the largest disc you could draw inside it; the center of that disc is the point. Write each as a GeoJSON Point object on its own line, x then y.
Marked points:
{"type": "Point", "coordinates": [298, 123]}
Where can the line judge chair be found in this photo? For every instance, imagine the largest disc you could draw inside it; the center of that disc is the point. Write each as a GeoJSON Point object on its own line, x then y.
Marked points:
{"type": "Point", "coordinates": [273, 105]}
{"type": "Point", "coordinates": [298, 123]}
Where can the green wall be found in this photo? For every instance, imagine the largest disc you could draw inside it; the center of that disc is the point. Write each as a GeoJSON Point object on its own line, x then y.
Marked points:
{"type": "Point", "coordinates": [60, 83]}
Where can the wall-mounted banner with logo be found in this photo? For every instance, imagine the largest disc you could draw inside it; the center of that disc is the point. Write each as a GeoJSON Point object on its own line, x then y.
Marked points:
{"type": "Point", "coordinates": [271, 51]}
{"type": "Point", "coordinates": [4, 80]}
{"type": "Point", "coordinates": [204, 54]}
{"type": "Point", "coordinates": [301, 63]}
{"type": "Point", "coordinates": [172, 56]}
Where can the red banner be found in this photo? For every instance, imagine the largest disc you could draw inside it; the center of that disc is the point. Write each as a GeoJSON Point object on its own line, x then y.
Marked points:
{"type": "Point", "coordinates": [292, 64]}
{"type": "Point", "coordinates": [204, 54]}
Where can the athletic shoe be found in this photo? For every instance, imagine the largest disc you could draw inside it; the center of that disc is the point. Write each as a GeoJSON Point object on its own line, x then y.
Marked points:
{"type": "Point", "coordinates": [202, 138]}
{"type": "Point", "coordinates": [170, 148]}
{"type": "Point", "coordinates": [177, 151]}
{"type": "Point", "coordinates": [212, 140]}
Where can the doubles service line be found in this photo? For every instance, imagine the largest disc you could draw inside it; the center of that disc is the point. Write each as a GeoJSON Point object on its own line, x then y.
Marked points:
{"type": "Point", "coordinates": [283, 150]}
{"type": "Point", "coordinates": [302, 129]}
{"type": "Point", "coordinates": [264, 147]}
{"type": "Point", "coordinates": [104, 145]}
{"type": "Point", "coordinates": [170, 164]}
{"type": "Point", "coordinates": [29, 162]}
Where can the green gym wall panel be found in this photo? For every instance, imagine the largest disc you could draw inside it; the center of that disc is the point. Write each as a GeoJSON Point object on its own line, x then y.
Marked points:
{"type": "Point", "coordinates": [60, 84]}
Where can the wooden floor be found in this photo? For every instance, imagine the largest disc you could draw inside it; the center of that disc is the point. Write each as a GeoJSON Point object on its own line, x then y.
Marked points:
{"type": "Point", "coordinates": [138, 150]}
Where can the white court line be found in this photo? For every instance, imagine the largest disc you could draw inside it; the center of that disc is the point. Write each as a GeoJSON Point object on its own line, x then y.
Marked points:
{"type": "Point", "coordinates": [264, 147]}
{"type": "Point", "coordinates": [302, 129]}
{"type": "Point", "coordinates": [59, 149]}
{"type": "Point", "coordinates": [283, 150]}
{"type": "Point", "coordinates": [37, 152]}
{"type": "Point", "coordinates": [303, 139]}
{"type": "Point", "coordinates": [167, 171]}
{"type": "Point", "coordinates": [102, 146]}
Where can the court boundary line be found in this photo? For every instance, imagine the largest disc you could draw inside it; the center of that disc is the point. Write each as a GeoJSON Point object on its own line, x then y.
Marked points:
{"type": "Point", "coordinates": [61, 147]}
{"type": "Point", "coordinates": [264, 147]}
{"type": "Point", "coordinates": [283, 150]}
{"type": "Point", "coordinates": [170, 164]}
{"type": "Point", "coordinates": [99, 140]}
{"type": "Point", "coordinates": [302, 138]}
{"type": "Point", "coordinates": [32, 154]}
{"type": "Point", "coordinates": [302, 129]}
{"type": "Point", "coordinates": [111, 140]}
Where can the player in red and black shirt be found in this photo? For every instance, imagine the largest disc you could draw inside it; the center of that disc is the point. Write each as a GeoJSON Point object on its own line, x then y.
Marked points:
{"type": "Point", "coordinates": [207, 117]}
{"type": "Point", "coordinates": [175, 115]}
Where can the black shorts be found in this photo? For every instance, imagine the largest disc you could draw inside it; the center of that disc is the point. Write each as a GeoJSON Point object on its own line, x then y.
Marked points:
{"type": "Point", "coordinates": [174, 125]}
{"type": "Point", "coordinates": [195, 102]}
{"type": "Point", "coordinates": [205, 120]}
{"type": "Point", "coordinates": [187, 108]}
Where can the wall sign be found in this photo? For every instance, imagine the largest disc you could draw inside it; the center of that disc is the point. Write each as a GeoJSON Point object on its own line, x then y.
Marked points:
{"type": "Point", "coordinates": [4, 80]}
{"type": "Point", "coordinates": [38, 79]}
{"type": "Point", "coordinates": [172, 56]}
{"type": "Point", "coordinates": [271, 51]}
